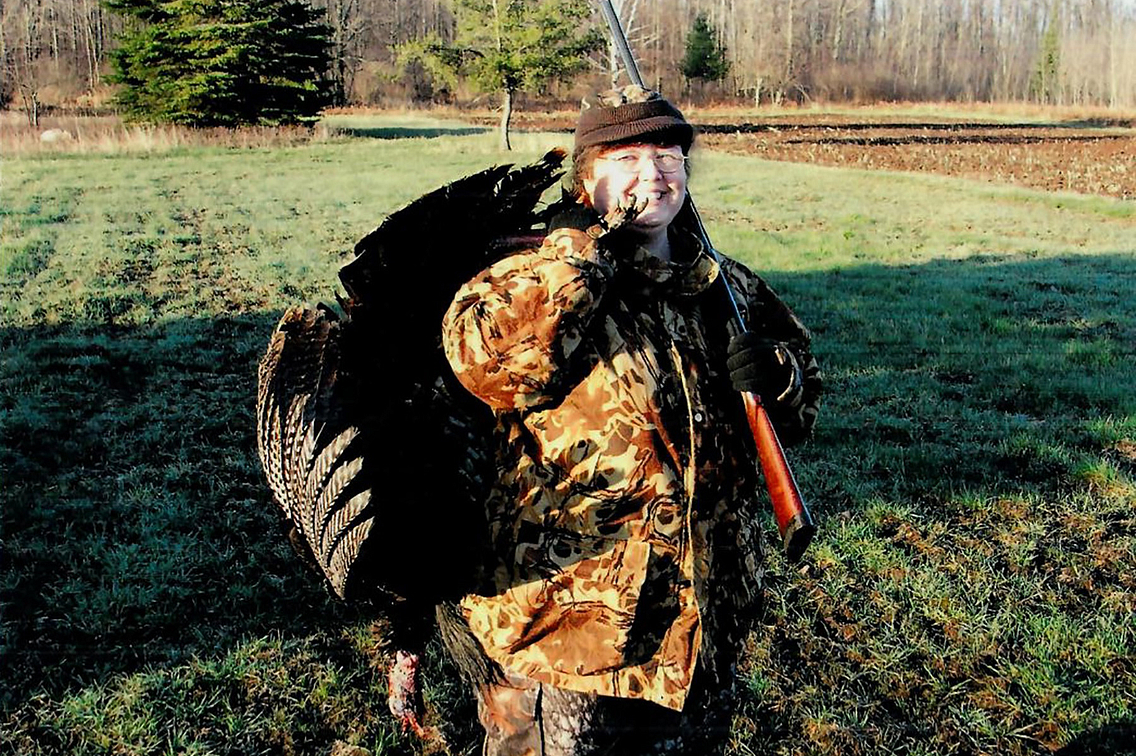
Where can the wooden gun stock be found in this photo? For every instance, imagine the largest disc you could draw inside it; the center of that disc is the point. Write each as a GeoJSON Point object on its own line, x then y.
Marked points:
{"type": "Point", "coordinates": [793, 518]}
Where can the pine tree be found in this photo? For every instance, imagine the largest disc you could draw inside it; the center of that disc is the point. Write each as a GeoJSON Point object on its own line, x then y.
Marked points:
{"type": "Point", "coordinates": [705, 56]}
{"type": "Point", "coordinates": [1045, 81]}
{"type": "Point", "coordinates": [222, 62]}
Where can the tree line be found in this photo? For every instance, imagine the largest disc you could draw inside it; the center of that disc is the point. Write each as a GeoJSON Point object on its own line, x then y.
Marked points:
{"type": "Point", "coordinates": [1070, 52]}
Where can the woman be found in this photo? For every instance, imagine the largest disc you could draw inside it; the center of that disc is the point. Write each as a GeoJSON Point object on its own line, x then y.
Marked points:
{"type": "Point", "coordinates": [626, 551]}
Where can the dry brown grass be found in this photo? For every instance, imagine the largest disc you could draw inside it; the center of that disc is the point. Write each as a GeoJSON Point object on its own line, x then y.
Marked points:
{"type": "Point", "coordinates": [110, 134]}
{"type": "Point", "coordinates": [97, 134]}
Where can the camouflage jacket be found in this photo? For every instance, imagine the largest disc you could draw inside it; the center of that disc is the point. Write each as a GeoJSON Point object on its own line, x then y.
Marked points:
{"type": "Point", "coordinates": [624, 520]}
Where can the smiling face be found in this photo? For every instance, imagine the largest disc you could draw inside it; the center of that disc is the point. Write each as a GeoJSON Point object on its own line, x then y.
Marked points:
{"type": "Point", "coordinates": [625, 174]}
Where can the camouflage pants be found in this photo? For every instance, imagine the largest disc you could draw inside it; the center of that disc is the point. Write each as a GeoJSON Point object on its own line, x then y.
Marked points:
{"type": "Point", "coordinates": [522, 717]}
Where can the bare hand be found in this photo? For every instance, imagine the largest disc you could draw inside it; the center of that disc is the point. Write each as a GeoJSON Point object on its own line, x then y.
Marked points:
{"type": "Point", "coordinates": [622, 213]}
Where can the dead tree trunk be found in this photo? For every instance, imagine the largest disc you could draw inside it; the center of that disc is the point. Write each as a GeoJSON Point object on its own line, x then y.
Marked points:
{"type": "Point", "coordinates": [506, 117]}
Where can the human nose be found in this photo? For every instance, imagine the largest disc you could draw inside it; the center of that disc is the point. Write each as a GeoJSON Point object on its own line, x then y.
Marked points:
{"type": "Point", "coordinates": [648, 164]}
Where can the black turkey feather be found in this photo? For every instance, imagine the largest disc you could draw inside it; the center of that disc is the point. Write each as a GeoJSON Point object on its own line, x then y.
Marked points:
{"type": "Point", "coordinates": [375, 454]}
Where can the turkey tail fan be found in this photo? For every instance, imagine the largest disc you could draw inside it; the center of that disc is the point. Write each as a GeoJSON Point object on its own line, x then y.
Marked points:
{"type": "Point", "coordinates": [376, 456]}
{"type": "Point", "coordinates": [306, 445]}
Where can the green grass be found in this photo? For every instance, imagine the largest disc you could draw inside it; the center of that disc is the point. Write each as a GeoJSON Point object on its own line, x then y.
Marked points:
{"type": "Point", "coordinates": [971, 591]}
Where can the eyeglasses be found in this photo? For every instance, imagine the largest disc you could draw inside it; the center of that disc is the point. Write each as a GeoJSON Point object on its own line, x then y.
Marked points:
{"type": "Point", "coordinates": [632, 162]}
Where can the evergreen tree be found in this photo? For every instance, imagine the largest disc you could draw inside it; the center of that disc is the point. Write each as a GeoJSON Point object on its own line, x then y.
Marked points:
{"type": "Point", "coordinates": [1045, 81]}
{"type": "Point", "coordinates": [221, 62]}
{"type": "Point", "coordinates": [705, 56]}
{"type": "Point", "coordinates": [508, 46]}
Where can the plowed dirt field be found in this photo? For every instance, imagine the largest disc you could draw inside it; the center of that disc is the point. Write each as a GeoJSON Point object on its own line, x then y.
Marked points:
{"type": "Point", "coordinates": [1091, 156]}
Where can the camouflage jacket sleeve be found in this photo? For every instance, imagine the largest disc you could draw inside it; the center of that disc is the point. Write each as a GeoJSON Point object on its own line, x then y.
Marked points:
{"type": "Point", "coordinates": [510, 333]}
{"type": "Point", "coordinates": [794, 413]}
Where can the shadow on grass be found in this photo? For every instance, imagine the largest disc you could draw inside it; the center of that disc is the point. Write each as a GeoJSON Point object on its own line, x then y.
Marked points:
{"type": "Point", "coordinates": [138, 532]}
{"type": "Point", "coordinates": [394, 132]}
{"type": "Point", "coordinates": [987, 375]}
{"type": "Point", "coordinates": [147, 579]}
{"type": "Point", "coordinates": [1114, 739]}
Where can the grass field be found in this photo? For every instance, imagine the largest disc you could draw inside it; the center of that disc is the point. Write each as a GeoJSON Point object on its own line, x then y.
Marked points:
{"type": "Point", "coordinates": [972, 589]}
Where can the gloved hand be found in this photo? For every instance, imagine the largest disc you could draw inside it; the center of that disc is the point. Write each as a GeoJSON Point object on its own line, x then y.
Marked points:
{"type": "Point", "coordinates": [761, 366]}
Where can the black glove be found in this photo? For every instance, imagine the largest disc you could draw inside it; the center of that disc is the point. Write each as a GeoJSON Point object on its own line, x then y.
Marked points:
{"type": "Point", "coordinates": [761, 366]}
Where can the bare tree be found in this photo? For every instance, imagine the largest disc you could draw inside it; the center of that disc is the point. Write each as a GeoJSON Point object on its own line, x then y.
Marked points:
{"type": "Point", "coordinates": [25, 66]}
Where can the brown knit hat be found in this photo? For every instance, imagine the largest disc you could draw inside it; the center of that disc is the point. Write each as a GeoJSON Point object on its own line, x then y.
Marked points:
{"type": "Point", "coordinates": [630, 114]}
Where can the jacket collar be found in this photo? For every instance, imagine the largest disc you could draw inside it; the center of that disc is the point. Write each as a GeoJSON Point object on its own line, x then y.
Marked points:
{"type": "Point", "coordinates": [690, 273]}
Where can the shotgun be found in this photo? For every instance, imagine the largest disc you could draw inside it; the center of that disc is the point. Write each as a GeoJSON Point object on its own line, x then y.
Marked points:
{"type": "Point", "coordinates": [793, 518]}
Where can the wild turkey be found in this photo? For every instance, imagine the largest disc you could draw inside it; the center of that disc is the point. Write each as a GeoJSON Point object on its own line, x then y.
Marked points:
{"type": "Point", "coordinates": [375, 454]}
